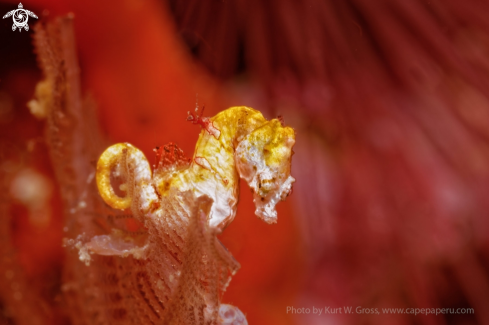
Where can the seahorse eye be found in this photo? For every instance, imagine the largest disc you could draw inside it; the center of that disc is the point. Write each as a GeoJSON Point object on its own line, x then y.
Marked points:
{"type": "Point", "coordinates": [266, 182]}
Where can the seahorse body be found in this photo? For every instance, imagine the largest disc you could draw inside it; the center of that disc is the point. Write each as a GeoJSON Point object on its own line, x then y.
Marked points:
{"type": "Point", "coordinates": [246, 146]}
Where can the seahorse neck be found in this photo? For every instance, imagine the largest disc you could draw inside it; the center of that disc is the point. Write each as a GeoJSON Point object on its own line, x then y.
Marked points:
{"type": "Point", "coordinates": [234, 124]}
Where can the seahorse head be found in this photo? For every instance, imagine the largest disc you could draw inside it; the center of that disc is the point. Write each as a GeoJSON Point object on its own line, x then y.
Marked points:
{"type": "Point", "coordinates": [263, 159]}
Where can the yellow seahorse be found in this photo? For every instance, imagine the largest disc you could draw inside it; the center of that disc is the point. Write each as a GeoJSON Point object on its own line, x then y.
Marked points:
{"type": "Point", "coordinates": [238, 142]}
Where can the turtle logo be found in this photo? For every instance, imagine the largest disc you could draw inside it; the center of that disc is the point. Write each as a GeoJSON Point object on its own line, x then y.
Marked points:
{"type": "Point", "coordinates": [20, 16]}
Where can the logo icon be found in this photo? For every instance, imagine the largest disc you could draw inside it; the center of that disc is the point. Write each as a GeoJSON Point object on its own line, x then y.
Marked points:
{"type": "Point", "coordinates": [20, 16]}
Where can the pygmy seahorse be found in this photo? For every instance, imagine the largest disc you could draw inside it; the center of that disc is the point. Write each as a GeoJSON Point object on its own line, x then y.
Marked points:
{"type": "Point", "coordinates": [237, 142]}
